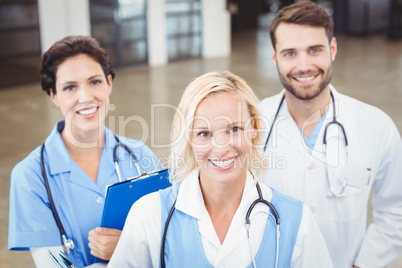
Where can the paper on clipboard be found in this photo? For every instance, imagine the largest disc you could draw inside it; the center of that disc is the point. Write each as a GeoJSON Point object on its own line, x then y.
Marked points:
{"type": "Point", "coordinates": [61, 260]}
{"type": "Point", "coordinates": [121, 196]}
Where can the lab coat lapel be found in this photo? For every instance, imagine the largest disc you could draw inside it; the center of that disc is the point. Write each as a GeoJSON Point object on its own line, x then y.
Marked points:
{"type": "Point", "coordinates": [288, 129]}
{"type": "Point", "coordinates": [191, 202]}
{"type": "Point", "coordinates": [332, 156]}
{"type": "Point", "coordinates": [294, 136]}
{"type": "Point", "coordinates": [336, 147]}
{"type": "Point", "coordinates": [189, 198]}
{"type": "Point", "coordinates": [319, 152]}
{"type": "Point", "coordinates": [237, 232]}
{"type": "Point", "coordinates": [334, 136]}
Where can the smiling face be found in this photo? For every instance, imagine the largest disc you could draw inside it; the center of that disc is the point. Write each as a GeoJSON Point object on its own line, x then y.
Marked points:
{"type": "Point", "coordinates": [304, 58]}
{"type": "Point", "coordinates": [221, 139]}
{"type": "Point", "coordinates": [82, 94]}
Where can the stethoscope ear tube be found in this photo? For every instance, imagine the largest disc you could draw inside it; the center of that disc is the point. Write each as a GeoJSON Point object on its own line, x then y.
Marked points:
{"type": "Point", "coordinates": [276, 216]}
{"type": "Point", "coordinates": [333, 122]}
{"type": "Point", "coordinates": [119, 143]}
{"type": "Point", "coordinates": [67, 243]}
{"type": "Point", "coordinates": [262, 200]}
{"type": "Point", "coordinates": [164, 235]}
{"type": "Point", "coordinates": [273, 123]}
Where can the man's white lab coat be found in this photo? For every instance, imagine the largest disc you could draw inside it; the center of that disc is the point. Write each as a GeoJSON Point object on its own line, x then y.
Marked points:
{"type": "Point", "coordinates": [374, 161]}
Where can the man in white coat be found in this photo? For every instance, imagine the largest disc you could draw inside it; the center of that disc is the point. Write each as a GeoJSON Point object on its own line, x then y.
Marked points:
{"type": "Point", "coordinates": [328, 149]}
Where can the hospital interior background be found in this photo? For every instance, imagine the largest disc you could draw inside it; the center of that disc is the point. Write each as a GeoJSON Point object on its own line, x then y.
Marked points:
{"type": "Point", "coordinates": [157, 47]}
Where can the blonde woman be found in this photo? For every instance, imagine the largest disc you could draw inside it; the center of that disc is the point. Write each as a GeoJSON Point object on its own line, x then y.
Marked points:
{"type": "Point", "coordinates": [216, 214]}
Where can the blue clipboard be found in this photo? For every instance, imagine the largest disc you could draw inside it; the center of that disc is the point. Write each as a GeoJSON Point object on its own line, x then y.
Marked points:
{"type": "Point", "coordinates": [121, 196]}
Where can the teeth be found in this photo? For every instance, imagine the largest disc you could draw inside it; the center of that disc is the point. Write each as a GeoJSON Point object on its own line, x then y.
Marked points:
{"type": "Point", "coordinates": [223, 164]}
{"type": "Point", "coordinates": [88, 111]}
{"type": "Point", "coordinates": [303, 79]}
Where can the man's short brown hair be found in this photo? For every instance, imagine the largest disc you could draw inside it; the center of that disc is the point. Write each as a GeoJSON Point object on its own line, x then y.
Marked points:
{"type": "Point", "coordinates": [303, 13]}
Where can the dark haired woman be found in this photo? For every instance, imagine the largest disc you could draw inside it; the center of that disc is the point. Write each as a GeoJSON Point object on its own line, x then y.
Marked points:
{"type": "Point", "coordinates": [77, 160]}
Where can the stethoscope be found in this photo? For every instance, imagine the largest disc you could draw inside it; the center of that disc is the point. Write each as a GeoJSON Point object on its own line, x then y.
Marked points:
{"type": "Point", "coordinates": [333, 122]}
{"type": "Point", "coordinates": [260, 199]}
{"type": "Point", "coordinates": [68, 244]}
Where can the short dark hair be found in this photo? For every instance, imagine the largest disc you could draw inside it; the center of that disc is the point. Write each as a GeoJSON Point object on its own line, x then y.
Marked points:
{"type": "Point", "coordinates": [68, 47]}
{"type": "Point", "coordinates": [303, 13]}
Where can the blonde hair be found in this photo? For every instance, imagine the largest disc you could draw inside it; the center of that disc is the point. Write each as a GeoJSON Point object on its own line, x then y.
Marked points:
{"type": "Point", "coordinates": [182, 160]}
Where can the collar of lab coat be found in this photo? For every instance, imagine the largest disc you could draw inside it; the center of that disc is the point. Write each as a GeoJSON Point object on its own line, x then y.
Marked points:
{"type": "Point", "coordinates": [191, 202]}
{"type": "Point", "coordinates": [293, 134]}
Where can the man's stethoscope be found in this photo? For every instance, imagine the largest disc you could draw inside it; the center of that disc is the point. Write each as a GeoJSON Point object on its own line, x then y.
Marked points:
{"type": "Point", "coordinates": [260, 199]}
{"type": "Point", "coordinates": [334, 121]}
{"type": "Point", "coordinates": [68, 243]}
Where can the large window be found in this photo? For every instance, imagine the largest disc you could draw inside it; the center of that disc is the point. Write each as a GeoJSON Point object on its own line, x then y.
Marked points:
{"type": "Point", "coordinates": [183, 22]}
{"type": "Point", "coordinates": [20, 50]}
{"type": "Point", "coordinates": [120, 27]}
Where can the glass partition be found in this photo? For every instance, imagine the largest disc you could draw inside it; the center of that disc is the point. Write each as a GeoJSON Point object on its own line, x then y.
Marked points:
{"type": "Point", "coordinates": [20, 50]}
{"type": "Point", "coordinates": [183, 27]}
{"type": "Point", "coordinates": [120, 27]}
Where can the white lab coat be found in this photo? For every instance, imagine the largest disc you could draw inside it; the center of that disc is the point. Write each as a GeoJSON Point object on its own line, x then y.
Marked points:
{"type": "Point", "coordinates": [375, 161]}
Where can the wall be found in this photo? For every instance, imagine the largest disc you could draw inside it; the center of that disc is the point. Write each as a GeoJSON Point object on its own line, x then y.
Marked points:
{"type": "Point", "coordinates": [58, 18]}
{"type": "Point", "coordinates": [215, 29]}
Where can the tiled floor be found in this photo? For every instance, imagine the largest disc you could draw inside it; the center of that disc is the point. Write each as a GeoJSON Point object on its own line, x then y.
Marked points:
{"type": "Point", "coordinates": [369, 69]}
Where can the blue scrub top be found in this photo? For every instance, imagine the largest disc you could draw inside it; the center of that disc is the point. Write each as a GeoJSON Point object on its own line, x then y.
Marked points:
{"type": "Point", "coordinates": [78, 200]}
{"type": "Point", "coordinates": [311, 140]}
